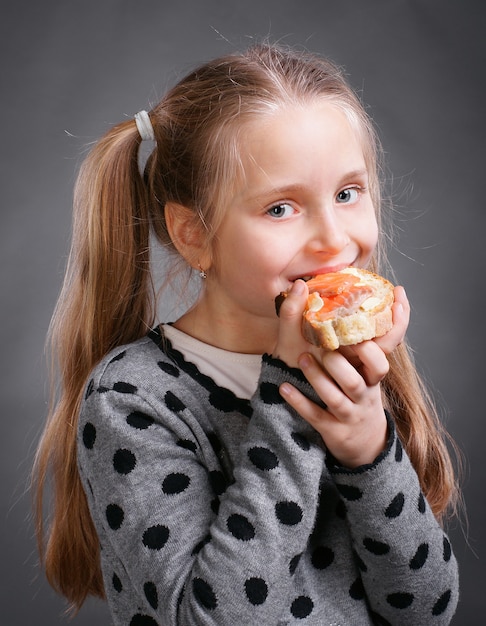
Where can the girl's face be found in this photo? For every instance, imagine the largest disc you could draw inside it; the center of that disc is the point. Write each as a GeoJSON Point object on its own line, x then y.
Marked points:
{"type": "Point", "coordinates": [303, 208]}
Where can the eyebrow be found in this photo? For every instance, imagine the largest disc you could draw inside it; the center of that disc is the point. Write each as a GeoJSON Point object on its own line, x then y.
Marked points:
{"type": "Point", "coordinates": [354, 174]}
{"type": "Point", "coordinates": [297, 187]}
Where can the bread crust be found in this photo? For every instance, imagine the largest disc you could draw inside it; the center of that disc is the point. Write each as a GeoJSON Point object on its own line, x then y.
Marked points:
{"type": "Point", "coordinates": [373, 318]}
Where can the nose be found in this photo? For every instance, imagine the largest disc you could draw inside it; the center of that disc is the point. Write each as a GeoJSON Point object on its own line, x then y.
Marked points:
{"type": "Point", "coordinates": [329, 234]}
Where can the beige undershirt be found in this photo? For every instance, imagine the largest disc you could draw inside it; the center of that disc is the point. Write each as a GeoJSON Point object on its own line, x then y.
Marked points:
{"type": "Point", "coordinates": [232, 370]}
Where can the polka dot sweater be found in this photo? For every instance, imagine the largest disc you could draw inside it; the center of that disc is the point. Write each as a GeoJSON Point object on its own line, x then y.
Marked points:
{"type": "Point", "coordinates": [211, 509]}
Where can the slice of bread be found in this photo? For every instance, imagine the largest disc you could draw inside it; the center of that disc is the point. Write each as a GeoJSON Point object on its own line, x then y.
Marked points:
{"type": "Point", "coordinates": [341, 314]}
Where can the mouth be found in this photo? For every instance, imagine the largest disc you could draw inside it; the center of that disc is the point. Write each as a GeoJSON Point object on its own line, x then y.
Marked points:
{"type": "Point", "coordinates": [323, 270]}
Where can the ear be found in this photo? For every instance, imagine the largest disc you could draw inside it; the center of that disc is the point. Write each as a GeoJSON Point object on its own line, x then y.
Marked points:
{"type": "Point", "coordinates": [188, 234]}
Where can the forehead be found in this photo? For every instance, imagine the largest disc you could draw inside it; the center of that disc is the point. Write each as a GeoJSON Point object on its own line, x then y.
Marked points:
{"type": "Point", "coordinates": [302, 142]}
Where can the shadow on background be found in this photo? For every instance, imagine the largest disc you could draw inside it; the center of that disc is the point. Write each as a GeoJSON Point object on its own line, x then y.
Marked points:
{"type": "Point", "coordinates": [71, 69]}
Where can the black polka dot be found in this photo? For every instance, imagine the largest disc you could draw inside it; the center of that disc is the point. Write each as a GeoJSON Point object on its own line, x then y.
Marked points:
{"type": "Point", "coordinates": [270, 394]}
{"type": "Point", "coordinates": [124, 461]}
{"type": "Point", "coordinates": [341, 510]}
{"type": "Point", "coordinates": [447, 549]}
{"type": "Point", "coordinates": [114, 516]}
{"type": "Point", "coordinates": [356, 591]}
{"type": "Point", "coordinates": [155, 537]}
{"type": "Point", "coordinates": [122, 387]}
{"type": "Point", "coordinates": [263, 458]}
{"type": "Point", "coordinates": [442, 603]}
{"type": "Point", "coordinates": [240, 527]}
{"type": "Point", "coordinates": [187, 444]}
{"type": "Point", "coordinates": [293, 564]}
{"type": "Point", "coordinates": [200, 545]}
{"type": "Point", "coordinates": [301, 441]}
{"type": "Point", "coordinates": [89, 435]}
{"type": "Point", "coordinates": [288, 513]}
{"type": "Point", "coordinates": [204, 594]}
{"type": "Point", "coordinates": [142, 620]}
{"type": "Point", "coordinates": [420, 556]}
{"type": "Point", "coordinates": [175, 483]}
{"type": "Point", "coordinates": [117, 583]}
{"type": "Point", "coordinates": [350, 492]}
{"type": "Point", "coordinates": [322, 557]}
{"type": "Point", "coordinates": [150, 591]}
{"type": "Point", "coordinates": [398, 451]}
{"type": "Point", "coordinates": [215, 505]}
{"type": "Point", "coordinates": [376, 547]}
{"type": "Point", "coordinates": [400, 600]}
{"type": "Point", "coordinates": [256, 590]}
{"type": "Point", "coordinates": [173, 403]}
{"type": "Point", "coordinates": [396, 506]}
{"type": "Point", "coordinates": [118, 357]}
{"type": "Point", "coordinates": [139, 420]}
{"type": "Point", "coordinates": [224, 400]}
{"type": "Point", "coordinates": [421, 503]}
{"type": "Point", "coordinates": [217, 481]}
{"type": "Point", "coordinates": [302, 607]}
{"type": "Point", "coordinates": [103, 389]}
{"type": "Point", "coordinates": [168, 368]}
{"type": "Point", "coordinates": [89, 389]}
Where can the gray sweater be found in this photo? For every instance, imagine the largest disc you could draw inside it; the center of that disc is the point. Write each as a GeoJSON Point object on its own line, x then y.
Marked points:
{"type": "Point", "coordinates": [212, 509]}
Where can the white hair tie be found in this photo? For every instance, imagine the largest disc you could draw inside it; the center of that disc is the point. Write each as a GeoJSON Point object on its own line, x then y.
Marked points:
{"type": "Point", "coordinates": [144, 126]}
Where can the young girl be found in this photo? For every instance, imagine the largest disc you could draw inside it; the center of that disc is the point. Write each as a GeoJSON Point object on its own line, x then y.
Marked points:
{"type": "Point", "coordinates": [219, 469]}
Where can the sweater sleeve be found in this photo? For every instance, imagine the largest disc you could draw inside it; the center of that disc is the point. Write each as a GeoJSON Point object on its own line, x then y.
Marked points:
{"type": "Point", "coordinates": [191, 548]}
{"type": "Point", "coordinates": [408, 570]}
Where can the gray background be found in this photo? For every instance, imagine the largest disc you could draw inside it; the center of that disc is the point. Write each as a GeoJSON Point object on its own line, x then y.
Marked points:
{"type": "Point", "coordinates": [71, 68]}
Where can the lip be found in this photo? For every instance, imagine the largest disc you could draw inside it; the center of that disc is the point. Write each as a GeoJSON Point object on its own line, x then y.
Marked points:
{"type": "Point", "coordinates": [321, 270]}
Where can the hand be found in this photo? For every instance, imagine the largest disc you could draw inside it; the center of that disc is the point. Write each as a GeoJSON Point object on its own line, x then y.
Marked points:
{"type": "Point", "coordinates": [353, 425]}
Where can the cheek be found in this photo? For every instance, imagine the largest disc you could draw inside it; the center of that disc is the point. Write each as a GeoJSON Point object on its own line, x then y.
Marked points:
{"type": "Point", "coordinates": [366, 234]}
{"type": "Point", "coordinates": [247, 245]}
{"type": "Point", "coordinates": [373, 233]}
{"type": "Point", "coordinates": [366, 229]}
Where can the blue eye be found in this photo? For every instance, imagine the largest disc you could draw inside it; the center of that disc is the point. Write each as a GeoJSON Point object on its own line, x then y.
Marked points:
{"type": "Point", "coordinates": [280, 210]}
{"type": "Point", "coordinates": [348, 196]}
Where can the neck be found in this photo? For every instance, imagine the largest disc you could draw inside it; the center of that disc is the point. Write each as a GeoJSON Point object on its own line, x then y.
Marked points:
{"type": "Point", "coordinates": [229, 332]}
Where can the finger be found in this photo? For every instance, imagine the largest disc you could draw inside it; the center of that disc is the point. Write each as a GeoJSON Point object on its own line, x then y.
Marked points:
{"type": "Point", "coordinates": [337, 382]}
{"type": "Point", "coordinates": [310, 411]}
{"type": "Point", "coordinates": [350, 354]}
{"type": "Point", "coordinates": [374, 365]}
{"type": "Point", "coordinates": [401, 319]}
{"type": "Point", "coordinates": [353, 442]}
{"type": "Point", "coordinates": [294, 303]}
{"type": "Point", "coordinates": [290, 342]}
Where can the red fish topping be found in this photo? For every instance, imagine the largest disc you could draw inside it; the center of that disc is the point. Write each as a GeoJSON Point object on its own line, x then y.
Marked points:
{"type": "Point", "coordinates": [341, 293]}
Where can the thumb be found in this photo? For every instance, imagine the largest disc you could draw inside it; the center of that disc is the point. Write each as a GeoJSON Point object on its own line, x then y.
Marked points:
{"type": "Point", "coordinates": [290, 342]}
{"type": "Point", "coordinates": [294, 303]}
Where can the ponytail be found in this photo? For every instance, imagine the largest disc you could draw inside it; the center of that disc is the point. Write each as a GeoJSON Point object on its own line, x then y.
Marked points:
{"type": "Point", "coordinates": [107, 299]}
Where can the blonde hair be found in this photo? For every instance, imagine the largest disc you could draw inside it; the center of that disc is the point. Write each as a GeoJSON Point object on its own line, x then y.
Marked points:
{"type": "Point", "coordinates": [108, 297]}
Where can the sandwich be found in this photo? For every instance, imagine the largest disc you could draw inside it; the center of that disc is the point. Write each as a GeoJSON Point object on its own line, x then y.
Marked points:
{"type": "Point", "coordinates": [345, 308]}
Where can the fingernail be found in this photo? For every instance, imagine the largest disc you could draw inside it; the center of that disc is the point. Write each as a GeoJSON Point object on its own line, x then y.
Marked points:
{"type": "Point", "coordinates": [298, 287]}
{"type": "Point", "coordinates": [304, 361]}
